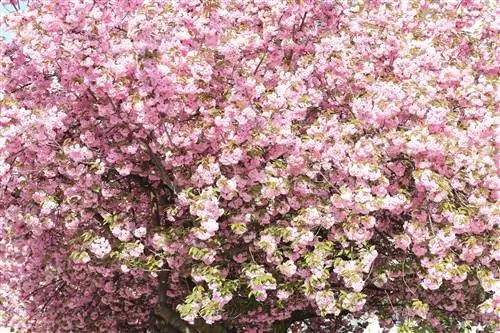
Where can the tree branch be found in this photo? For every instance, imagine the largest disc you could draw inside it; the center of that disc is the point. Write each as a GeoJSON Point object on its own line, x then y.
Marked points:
{"type": "Point", "coordinates": [173, 319]}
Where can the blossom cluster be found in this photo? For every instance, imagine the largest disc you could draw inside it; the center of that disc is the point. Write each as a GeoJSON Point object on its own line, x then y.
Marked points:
{"type": "Point", "coordinates": [248, 164]}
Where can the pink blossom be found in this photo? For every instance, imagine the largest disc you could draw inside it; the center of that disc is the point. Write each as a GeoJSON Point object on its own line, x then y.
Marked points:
{"type": "Point", "coordinates": [210, 225]}
{"type": "Point", "coordinates": [291, 152]}
{"type": "Point", "coordinates": [122, 234]}
{"type": "Point", "coordinates": [402, 241]}
{"type": "Point", "coordinates": [431, 283]}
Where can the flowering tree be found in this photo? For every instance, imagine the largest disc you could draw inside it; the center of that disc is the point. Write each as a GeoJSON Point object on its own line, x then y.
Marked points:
{"type": "Point", "coordinates": [249, 166]}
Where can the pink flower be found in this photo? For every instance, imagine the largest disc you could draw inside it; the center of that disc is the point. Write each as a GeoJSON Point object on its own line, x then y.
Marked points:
{"type": "Point", "coordinates": [122, 234]}
{"type": "Point", "coordinates": [136, 251]}
{"type": "Point", "coordinates": [325, 300]}
{"type": "Point", "coordinates": [419, 250]}
{"type": "Point", "coordinates": [210, 225]}
{"type": "Point", "coordinates": [231, 157]}
{"type": "Point", "coordinates": [283, 294]}
{"type": "Point", "coordinates": [77, 153]}
{"type": "Point", "coordinates": [261, 297]}
{"type": "Point", "coordinates": [202, 235]}
{"type": "Point", "coordinates": [125, 169]}
{"type": "Point", "coordinates": [431, 282]}
{"type": "Point", "coordinates": [402, 241]}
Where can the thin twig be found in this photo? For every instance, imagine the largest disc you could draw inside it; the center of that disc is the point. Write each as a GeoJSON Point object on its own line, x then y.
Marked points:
{"type": "Point", "coordinates": [168, 136]}
{"type": "Point", "coordinates": [258, 65]}
{"type": "Point", "coordinates": [404, 280]}
{"type": "Point", "coordinates": [40, 288]}
{"type": "Point", "coordinates": [302, 22]}
{"type": "Point", "coordinates": [251, 255]}
{"type": "Point", "coordinates": [21, 87]}
{"type": "Point", "coordinates": [390, 302]}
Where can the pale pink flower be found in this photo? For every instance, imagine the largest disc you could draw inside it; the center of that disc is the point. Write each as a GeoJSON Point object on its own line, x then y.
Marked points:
{"type": "Point", "coordinates": [140, 232]}
{"type": "Point", "coordinates": [100, 247]}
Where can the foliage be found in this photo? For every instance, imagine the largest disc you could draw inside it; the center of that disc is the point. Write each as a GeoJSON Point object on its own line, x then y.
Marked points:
{"type": "Point", "coordinates": [260, 165]}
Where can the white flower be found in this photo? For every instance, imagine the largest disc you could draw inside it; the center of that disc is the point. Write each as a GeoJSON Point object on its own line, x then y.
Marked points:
{"type": "Point", "coordinates": [288, 268]}
{"type": "Point", "coordinates": [136, 251]}
{"type": "Point", "coordinates": [48, 206]}
{"type": "Point", "coordinates": [100, 247]}
{"type": "Point", "coordinates": [140, 232]}
{"type": "Point", "coordinates": [373, 327]}
{"type": "Point", "coordinates": [81, 258]}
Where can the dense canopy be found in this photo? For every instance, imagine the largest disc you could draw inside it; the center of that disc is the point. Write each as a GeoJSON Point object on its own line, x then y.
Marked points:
{"type": "Point", "coordinates": [249, 166]}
